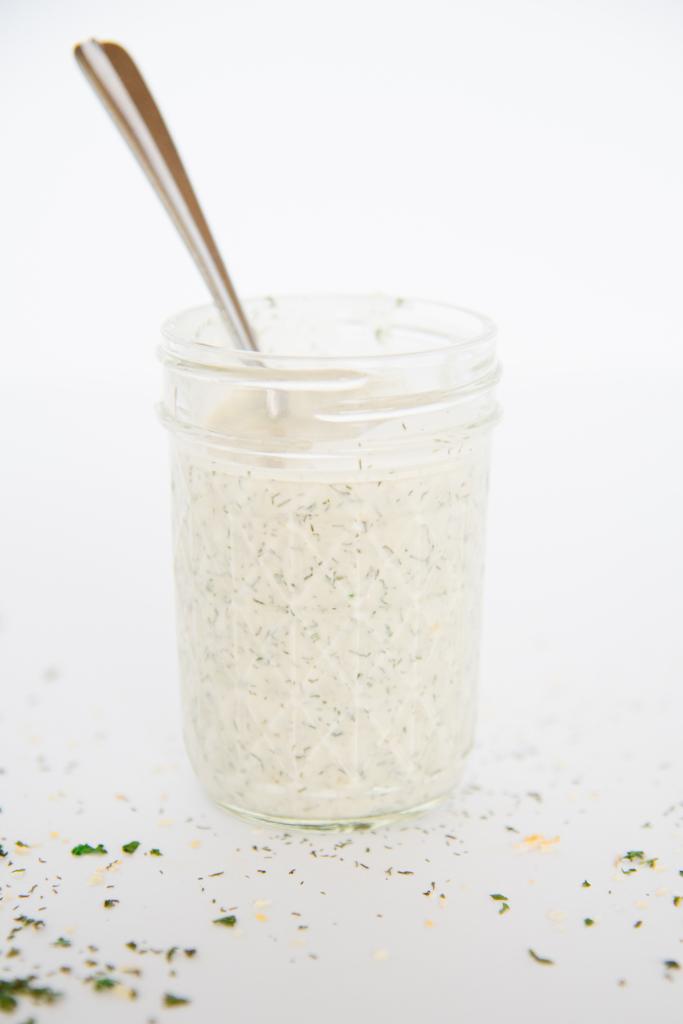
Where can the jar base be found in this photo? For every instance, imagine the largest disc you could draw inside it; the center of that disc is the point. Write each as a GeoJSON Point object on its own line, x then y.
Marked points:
{"type": "Point", "coordinates": [334, 824]}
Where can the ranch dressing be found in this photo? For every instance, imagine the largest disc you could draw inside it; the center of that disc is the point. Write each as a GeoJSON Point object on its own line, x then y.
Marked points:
{"type": "Point", "coordinates": [328, 621]}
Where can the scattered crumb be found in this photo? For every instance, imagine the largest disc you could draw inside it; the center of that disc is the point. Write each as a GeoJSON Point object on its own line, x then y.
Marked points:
{"type": "Point", "coordinates": [538, 842]}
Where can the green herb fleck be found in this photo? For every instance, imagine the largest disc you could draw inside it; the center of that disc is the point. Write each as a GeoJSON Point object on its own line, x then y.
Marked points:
{"type": "Point", "coordinates": [3, 853]}
{"type": "Point", "coordinates": [498, 896]}
{"type": "Point", "coordinates": [229, 921]}
{"type": "Point", "coordinates": [678, 900]}
{"type": "Point", "coordinates": [61, 941]}
{"type": "Point", "coordinates": [110, 903]}
{"type": "Point", "coordinates": [637, 856]}
{"type": "Point", "coordinates": [540, 959]}
{"type": "Point", "coordinates": [29, 922]}
{"type": "Point", "coordinates": [585, 884]}
{"type": "Point", "coordinates": [504, 907]}
{"type": "Point", "coordinates": [589, 922]}
{"type": "Point", "coordinates": [189, 952]}
{"type": "Point", "coordinates": [130, 847]}
{"type": "Point", "coordinates": [24, 846]}
{"type": "Point", "coordinates": [12, 988]}
{"type": "Point", "coordinates": [170, 953]}
{"type": "Point", "coordinates": [85, 848]}
{"type": "Point", "coordinates": [637, 924]}
{"type": "Point", "coordinates": [170, 1000]}
{"type": "Point", "coordinates": [102, 984]}
{"type": "Point", "coordinates": [155, 852]}
{"type": "Point", "coordinates": [131, 945]}
{"type": "Point", "coordinates": [672, 965]}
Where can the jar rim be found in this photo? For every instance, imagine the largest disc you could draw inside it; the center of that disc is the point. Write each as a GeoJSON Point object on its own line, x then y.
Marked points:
{"type": "Point", "coordinates": [461, 329]}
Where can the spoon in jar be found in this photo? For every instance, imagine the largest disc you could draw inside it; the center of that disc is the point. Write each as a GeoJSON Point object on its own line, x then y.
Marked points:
{"type": "Point", "coordinates": [116, 79]}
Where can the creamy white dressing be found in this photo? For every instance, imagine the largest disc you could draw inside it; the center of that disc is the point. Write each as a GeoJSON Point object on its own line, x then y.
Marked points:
{"type": "Point", "coordinates": [328, 623]}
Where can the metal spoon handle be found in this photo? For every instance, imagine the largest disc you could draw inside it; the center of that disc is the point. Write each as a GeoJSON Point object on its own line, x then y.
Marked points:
{"type": "Point", "coordinates": [116, 79]}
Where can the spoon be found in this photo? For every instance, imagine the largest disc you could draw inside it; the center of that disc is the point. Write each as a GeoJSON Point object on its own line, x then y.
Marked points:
{"type": "Point", "coordinates": [115, 78]}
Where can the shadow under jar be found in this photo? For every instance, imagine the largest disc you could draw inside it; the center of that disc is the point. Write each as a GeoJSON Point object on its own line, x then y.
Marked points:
{"type": "Point", "coordinates": [329, 498]}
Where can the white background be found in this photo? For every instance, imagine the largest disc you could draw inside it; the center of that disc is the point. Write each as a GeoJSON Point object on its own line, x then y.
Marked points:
{"type": "Point", "coordinates": [521, 158]}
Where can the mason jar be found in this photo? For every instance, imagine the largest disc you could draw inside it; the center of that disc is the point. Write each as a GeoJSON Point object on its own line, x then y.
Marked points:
{"type": "Point", "coordinates": [329, 499]}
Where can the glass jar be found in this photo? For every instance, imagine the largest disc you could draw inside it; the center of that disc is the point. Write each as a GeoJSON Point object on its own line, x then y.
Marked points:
{"type": "Point", "coordinates": [329, 497]}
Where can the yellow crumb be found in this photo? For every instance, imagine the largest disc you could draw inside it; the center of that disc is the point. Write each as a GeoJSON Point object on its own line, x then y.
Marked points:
{"type": "Point", "coordinates": [124, 992]}
{"type": "Point", "coordinates": [261, 917]}
{"type": "Point", "coordinates": [195, 844]}
{"type": "Point", "coordinates": [54, 835]}
{"type": "Point", "coordinates": [429, 923]}
{"type": "Point", "coordinates": [537, 842]}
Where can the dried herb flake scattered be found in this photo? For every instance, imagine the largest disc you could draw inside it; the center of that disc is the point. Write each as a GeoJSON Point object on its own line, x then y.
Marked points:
{"type": "Point", "coordinates": [29, 922]}
{"type": "Point", "coordinates": [171, 1000]}
{"type": "Point", "coordinates": [102, 984]}
{"type": "Point", "coordinates": [229, 921]}
{"type": "Point", "coordinates": [540, 959]}
{"type": "Point", "coordinates": [11, 989]}
{"type": "Point", "coordinates": [82, 849]}
{"type": "Point", "coordinates": [130, 847]}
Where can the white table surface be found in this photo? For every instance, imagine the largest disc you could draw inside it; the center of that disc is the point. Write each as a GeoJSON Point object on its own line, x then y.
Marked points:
{"type": "Point", "coordinates": [579, 742]}
{"type": "Point", "coordinates": [519, 158]}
